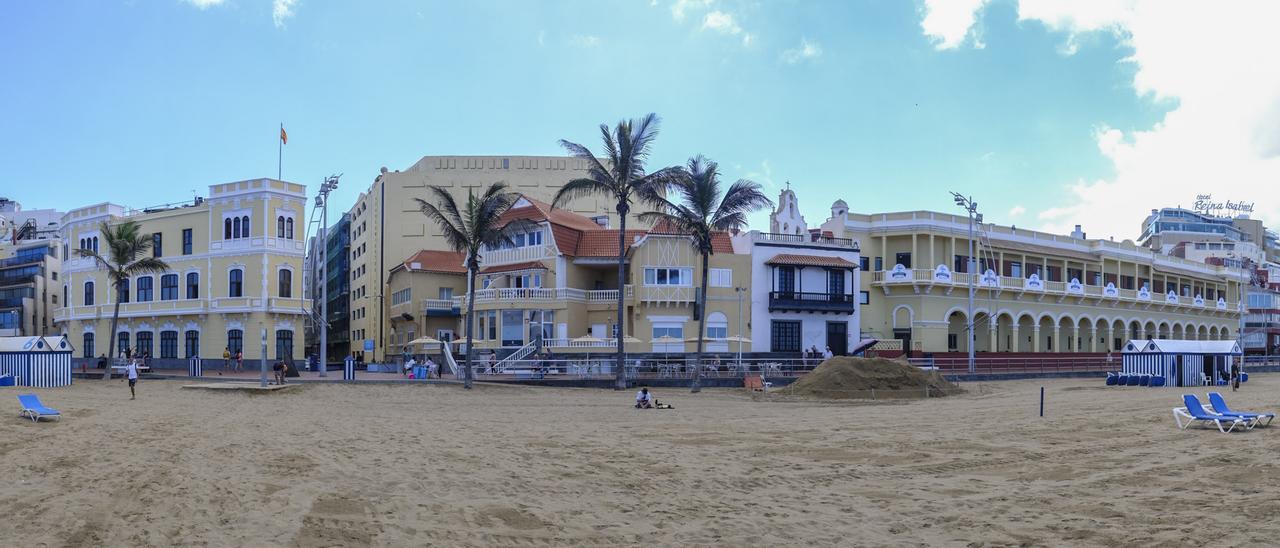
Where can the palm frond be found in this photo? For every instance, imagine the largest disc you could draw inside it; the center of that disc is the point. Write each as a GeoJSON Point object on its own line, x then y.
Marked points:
{"type": "Point", "coordinates": [145, 265]}
{"type": "Point", "coordinates": [580, 188]}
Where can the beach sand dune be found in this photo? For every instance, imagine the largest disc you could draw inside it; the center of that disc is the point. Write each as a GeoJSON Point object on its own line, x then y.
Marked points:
{"type": "Point", "coordinates": [333, 465]}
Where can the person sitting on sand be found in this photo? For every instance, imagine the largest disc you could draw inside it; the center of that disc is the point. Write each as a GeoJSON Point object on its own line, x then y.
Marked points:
{"type": "Point", "coordinates": [281, 369]}
{"type": "Point", "coordinates": [408, 365]}
{"type": "Point", "coordinates": [431, 366]}
{"type": "Point", "coordinates": [644, 399]}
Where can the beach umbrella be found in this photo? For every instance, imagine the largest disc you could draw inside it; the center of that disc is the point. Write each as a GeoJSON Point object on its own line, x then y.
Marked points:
{"type": "Point", "coordinates": [588, 339]}
{"type": "Point", "coordinates": [425, 340]}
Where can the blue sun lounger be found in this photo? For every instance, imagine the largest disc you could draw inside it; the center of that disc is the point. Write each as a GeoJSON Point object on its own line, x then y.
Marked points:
{"type": "Point", "coordinates": [32, 408]}
{"type": "Point", "coordinates": [1219, 405]}
{"type": "Point", "coordinates": [1112, 378]}
{"type": "Point", "coordinates": [1195, 412]}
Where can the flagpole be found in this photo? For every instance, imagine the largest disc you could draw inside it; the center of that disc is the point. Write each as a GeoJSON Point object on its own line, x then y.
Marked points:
{"type": "Point", "coordinates": [280, 154]}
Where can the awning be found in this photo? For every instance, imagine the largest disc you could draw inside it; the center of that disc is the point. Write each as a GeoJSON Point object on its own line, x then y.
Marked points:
{"type": "Point", "coordinates": [529, 265]}
{"type": "Point", "coordinates": [810, 260]}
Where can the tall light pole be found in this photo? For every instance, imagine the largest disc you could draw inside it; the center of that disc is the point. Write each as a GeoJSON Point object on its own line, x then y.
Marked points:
{"type": "Point", "coordinates": [739, 291]}
{"type": "Point", "coordinates": [329, 185]}
{"type": "Point", "coordinates": [970, 207]}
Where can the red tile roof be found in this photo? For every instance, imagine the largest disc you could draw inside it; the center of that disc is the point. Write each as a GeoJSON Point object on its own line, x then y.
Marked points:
{"type": "Point", "coordinates": [541, 211]}
{"type": "Point", "coordinates": [604, 242]}
{"type": "Point", "coordinates": [810, 260]}
{"type": "Point", "coordinates": [529, 265]}
{"type": "Point", "coordinates": [445, 262]}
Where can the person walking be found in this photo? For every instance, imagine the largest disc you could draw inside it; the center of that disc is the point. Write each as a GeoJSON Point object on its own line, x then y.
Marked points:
{"type": "Point", "coordinates": [1235, 375]}
{"type": "Point", "coordinates": [226, 359]}
{"type": "Point", "coordinates": [239, 360]}
{"type": "Point", "coordinates": [131, 371]}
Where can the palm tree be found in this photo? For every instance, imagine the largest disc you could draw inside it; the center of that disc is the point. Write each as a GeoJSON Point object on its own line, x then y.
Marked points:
{"type": "Point", "coordinates": [468, 230]}
{"type": "Point", "coordinates": [128, 254]}
{"type": "Point", "coordinates": [700, 213]}
{"type": "Point", "coordinates": [624, 179]}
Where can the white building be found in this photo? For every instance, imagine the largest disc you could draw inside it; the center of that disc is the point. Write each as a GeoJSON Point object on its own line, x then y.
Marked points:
{"type": "Point", "coordinates": [804, 285]}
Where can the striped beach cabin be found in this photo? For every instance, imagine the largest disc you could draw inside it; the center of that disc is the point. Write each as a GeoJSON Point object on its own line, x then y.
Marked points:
{"type": "Point", "coordinates": [40, 362]}
{"type": "Point", "coordinates": [1181, 363]}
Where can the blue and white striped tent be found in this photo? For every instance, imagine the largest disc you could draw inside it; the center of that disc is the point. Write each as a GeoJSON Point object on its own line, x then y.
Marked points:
{"type": "Point", "coordinates": [41, 362]}
{"type": "Point", "coordinates": [1181, 363]}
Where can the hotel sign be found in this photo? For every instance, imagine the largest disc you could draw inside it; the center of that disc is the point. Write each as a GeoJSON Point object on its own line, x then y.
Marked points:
{"type": "Point", "coordinates": [1206, 205]}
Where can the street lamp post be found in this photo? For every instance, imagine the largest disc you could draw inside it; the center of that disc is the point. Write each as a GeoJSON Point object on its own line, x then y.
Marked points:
{"type": "Point", "coordinates": [970, 207]}
{"type": "Point", "coordinates": [739, 291]}
{"type": "Point", "coordinates": [329, 185]}
{"type": "Point", "coordinates": [262, 376]}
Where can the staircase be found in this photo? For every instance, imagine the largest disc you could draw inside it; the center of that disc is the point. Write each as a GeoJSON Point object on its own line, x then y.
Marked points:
{"type": "Point", "coordinates": [451, 363]}
{"type": "Point", "coordinates": [520, 354]}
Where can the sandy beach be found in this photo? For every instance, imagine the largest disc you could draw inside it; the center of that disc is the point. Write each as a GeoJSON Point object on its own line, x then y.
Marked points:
{"type": "Point", "coordinates": [330, 465]}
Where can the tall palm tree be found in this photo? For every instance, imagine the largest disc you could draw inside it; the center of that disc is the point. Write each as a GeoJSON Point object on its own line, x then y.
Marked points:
{"type": "Point", "coordinates": [128, 254]}
{"type": "Point", "coordinates": [469, 229]}
{"type": "Point", "coordinates": [623, 179]}
{"type": "Point", "coordinates": [701, 212]}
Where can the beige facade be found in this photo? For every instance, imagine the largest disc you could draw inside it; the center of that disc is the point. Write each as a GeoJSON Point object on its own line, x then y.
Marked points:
{"type": "Point", "coordinates": [236, 277]}
{"type": "Point", "coordinates": [425, 293]}
{"type": "Point", "coordinates": [1036, 292]}
{"type": "Point", "coordinates": [387, 225]}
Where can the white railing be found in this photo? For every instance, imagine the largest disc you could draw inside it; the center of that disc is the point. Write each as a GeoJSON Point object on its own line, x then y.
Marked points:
{"type": "Point", "coordinates": [667, 294]}
{"type": "Point", "coordinates": [574, 343]}
{"type": "Point", "coordinates": [602, 296]}
{"type": "Point", "coordinates": [440, 304]}
{"type": "Point", "coordinates": [520, 354]}
{"type": "Point", "coordinates": [496, 257]}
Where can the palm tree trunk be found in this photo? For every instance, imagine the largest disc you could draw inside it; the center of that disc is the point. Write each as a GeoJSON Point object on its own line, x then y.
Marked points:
{"type": "Point", "coordinates": [620, 380]}
{"type": "Point", "coordinates": [702, 328]}
{"type": "Point", "coordinates": [471, 320]}
{"type": "Point", "coordinates": [111, 346]}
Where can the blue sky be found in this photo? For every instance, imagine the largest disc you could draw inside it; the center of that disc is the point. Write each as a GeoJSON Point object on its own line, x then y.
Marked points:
{"type": "Point", "coordinates": [141, 102]}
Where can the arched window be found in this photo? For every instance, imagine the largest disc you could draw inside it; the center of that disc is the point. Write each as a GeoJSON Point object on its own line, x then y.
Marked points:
{"type": "Point", "coordinates": [122, 342]}
{"type": "Point", "coordinates": [226, 229]}
{"type": "Point", "coordinates": [88, 345]}
{"type": "Point", "coordinates": [95, 244]}
{"type": "Point", "coordinates": [284, 345]}
{"type": "Point", "coordinates": [145, 289]}
{"type": "Point", "coordinates": [235, 341]}
{"type": "Point", "coordinates": [717, 326]}
{"type": "Point", "coordinates": [286, 283]}
{"type": "Point", "coordinates": [88, 294]}
{"type": "Point", "coordinates": [235, 225]}
{"type": "Point", "coordinates": [169, 289]}
{"type": "Point", "coordinates": [193, 285]}
{"type": "Point", "coordinates": [122, 292]}
{"type": "Point", "coordinates": [288, 224]}
{"type": "Point", "coordinates": [169, 345]}
{"type": "Point", "coordinates": [235, 287]}
{"type": "Point", "coordinates": [244, 226]}
{"type": "Point", "coordinates": [82, 246]}
{"type": "Point", "coordinates": [191, 346]}
{"type": "Point", "coordinates": [280, 226]}
{"type": "Point", "coordinates": [144, 343]}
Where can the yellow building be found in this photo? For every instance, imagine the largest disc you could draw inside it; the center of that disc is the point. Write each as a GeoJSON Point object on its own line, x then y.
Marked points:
{"type": "Point", "coordinates": [387, 226]}
{"type": "Point", "coordinates": [235, 280]}
{"type": "Point", "coordinates": [1036, 292]}
{"type": "Point", "coordinates": [425, 294]}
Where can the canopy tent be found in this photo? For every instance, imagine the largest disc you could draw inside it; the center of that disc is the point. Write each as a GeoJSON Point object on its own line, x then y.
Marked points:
{"type": "Point", "coordinates": [1181, 362]}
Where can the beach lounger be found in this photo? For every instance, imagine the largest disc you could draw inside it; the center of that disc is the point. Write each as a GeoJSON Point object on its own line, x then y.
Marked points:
{"type": "Point", "coordinates": [1157, 381]}
{"type": "Point", "coordinates": [1195, 412]}
{"type": "Point", "coordinates": [1112, 378]}
{"type": "Point", "coordinates": [1244, 377]}
{"type": "Point", "coordinates": [1134, 380]}
{"type": "Point", "coordinates": [32, 408]}
{"type": "Point", "coordinates": [1144, 380]}
{"type": "Point", "coordinates": [1219, 406]}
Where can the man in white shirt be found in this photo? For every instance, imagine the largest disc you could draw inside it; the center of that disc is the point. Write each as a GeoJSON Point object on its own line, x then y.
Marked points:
{"type": "Point", "coordinates": [431, 366]}
{"type": "Point", "coordinates": [826, 354]}
{"type": "Point", "coordinates": [131, 371]}
{"type": "Point", "coordinates": [644, 400]}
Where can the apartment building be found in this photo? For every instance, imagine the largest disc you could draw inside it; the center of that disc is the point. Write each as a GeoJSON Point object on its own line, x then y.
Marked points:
{"type": "Point", "coordinates": [1036, 292]}
{"type": "Point", "coordinates": [30, 290]}
{"type": "Point", "coordinates": [426, 294]}
{"type": "Point", "coordinates": [803, 285]}
{"type": "Point", "coordinates": [235, 278]}
{"type": "Point", "coordinates": [387, 226]}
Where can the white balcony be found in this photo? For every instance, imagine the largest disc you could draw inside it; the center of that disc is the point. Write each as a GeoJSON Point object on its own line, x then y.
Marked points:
{"type": "Point", "coordinates": [497, 257]}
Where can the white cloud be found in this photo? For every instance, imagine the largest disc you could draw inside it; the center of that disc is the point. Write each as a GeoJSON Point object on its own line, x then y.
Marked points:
{"type": "Point", "coordinates": [281, 10]}
{"type": "Point", "coordinates": [764, 176]}
{"type": "Point", "coordinates": [720, 21]}
{"type": "Point", "coordinates": [1017, 210]}
{"type": "Point", "coordinates": [204, 4]}
{"type": "Point", "coordinates": [948, 22]}
{"type": "Point", "coordinates": [584, 41]}
{"type": "Point", "coordinates": [680, 8]}
{"type": "Point", "coordinates": [1221, 138]}
{"type": "Point", "coordinates": [807, 50]}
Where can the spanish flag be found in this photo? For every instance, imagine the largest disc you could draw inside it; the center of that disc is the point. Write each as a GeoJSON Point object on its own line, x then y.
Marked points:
{"type": "Point", "coordinates": [284, 137]}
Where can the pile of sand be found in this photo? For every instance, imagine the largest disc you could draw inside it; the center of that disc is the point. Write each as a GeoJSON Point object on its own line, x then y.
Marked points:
{"type": "Point", "coordinates": [844, 377]}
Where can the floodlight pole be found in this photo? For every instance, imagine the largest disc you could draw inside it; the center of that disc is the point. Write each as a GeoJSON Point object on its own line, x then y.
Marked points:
{"type": "Point", "coordinates": [330, 183]}
{"type": "Point", "coordinates": [971, 208]}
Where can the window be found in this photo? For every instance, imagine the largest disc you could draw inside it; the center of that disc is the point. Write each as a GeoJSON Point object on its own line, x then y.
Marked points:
{"type": "Point", "coordinates": [88, 294]}
{"type": "Point", "coordinates": [169, 345]}
{"type": "Point", "coordinates": [226, 229]}
{"type": "Point", "coordinates": [284, 345]}
{"type": "Point", "coordinates": [88, 345]}
{"type": "Point", "coordinates": [144, 342]}
{"type": "Point", "coordinates": [286, 283]}
{"type": "Point", "coordinates": [493, 324]}
{"type": "Point", "coordinates": [193, 285]}
{"type": "Point", "coordinates": [235, 226]}
{"type": "Point", "coordinates": [186, 241]}
{"type": "Point", "coordinates": [668, 276]}
{"type": "Point", "coordinates": [864, 263]}
{"type": "Point", "coordinates": [244, 226]}
{"type": "Point", "coordinates": [673, 330]}
{"type": "Point", "coordinates": [122, 342]}
{"type": "Point", "coordinates": [864, 297]}
{"type": "Point", "coordinates": [953, 342]}
{"type": "Point", "coordinates": [95, 244]}
{"type": "Point", "coordinates": [785, 336]}
{"type": "Point", "coordinates": [879, 264]}
{"type": "Point", "coordinates": [903, 259]}
{"type": "Point", "coordinates": [446, 293]}
{"type": "Point", "coordinates": [402, 296]}
{"type": "Point", "coordinates": [169, 289]}
{"type": "Point", "coordinates": [720, 277]}
{"type": "Point", "coordinates": [235, 283]}
{"type": "Point", "coordinates": [786, 279]}
{"type": "Point", "coordinates": [288, 225]}
{"type": "Point", "coordinates": [280, 227]}
{"type": "Point", "coordinates": [145, 289]}
{"type": "Point", "coordinates": [156, 248]}
{"type": "Point", "coordinates": [717, 326]}
{"type": "Point", "coordinates": [835, 282]}
{"type": "Point", "coordinates": [191, 344]}
{"type": "Point", "coordinates": [235, 341]}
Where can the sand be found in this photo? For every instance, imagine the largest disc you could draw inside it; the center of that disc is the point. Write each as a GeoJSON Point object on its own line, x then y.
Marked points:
{"type": "Point", "coordinates": [431, 465]}
{"type": "Point", "coordinates": [844, 377]}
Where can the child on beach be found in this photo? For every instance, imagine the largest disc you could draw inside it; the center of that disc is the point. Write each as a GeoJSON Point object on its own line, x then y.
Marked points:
{"type": "Point", "coordinates": [131, 371]}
